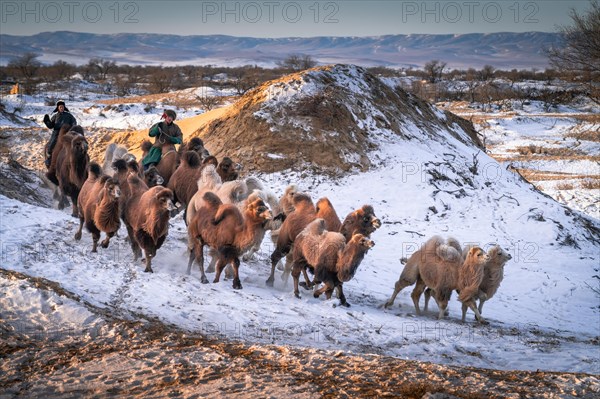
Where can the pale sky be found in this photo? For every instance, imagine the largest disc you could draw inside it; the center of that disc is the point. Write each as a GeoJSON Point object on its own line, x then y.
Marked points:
{"type": "Point", "coordinates": [286, 18]}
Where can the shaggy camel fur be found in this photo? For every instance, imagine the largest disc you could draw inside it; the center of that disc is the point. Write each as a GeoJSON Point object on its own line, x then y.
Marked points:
{"type": "Point", "coordinates": [228, 170]}
{"type": "Point", "coordinates": [147, 218]}
{"type": "Point", "coordinates": [304, 213]}
{"type": "Point", "coordinates": [492, 275]}
{"type": "Point", "coordinates": [326, 211]}
{"type": "Point", "coordinates": [284, 208]}
{"type": "Point", "coordinates": [151, 176]}
{"type": "Point", "coordinates": [209, 181]}
{"type": "Point", "coordinates": [361, 221]}
{"type": "Point", "coordinates": [112, 154]}
{"type": "Point", "coordinates": [286, 202]}
{"type": "Point", "coordinates": [224, 228]}
{"type": "Point", "coordinates": [448, 250]}
{"type": "Point", "coordinates": [332, 259]}
{"type": "Point", "coordinates": [184, 182]}
{"type": "Point", "coordinates": [470, 276]}
{"type": "Point", "coordinates": [72, 166]}
{"type": "Point", "coordinates": [436, 266]}
{"type": "Point", "coordinates": [98, 206]}
{"type": "Point", "coordinates": [195, 144]}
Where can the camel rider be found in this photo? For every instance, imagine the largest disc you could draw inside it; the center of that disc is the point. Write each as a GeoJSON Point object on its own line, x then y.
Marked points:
{"type": "Point", "coordinates": [165, 132]}
{"type": "Point", "coordinates": [60, 116]}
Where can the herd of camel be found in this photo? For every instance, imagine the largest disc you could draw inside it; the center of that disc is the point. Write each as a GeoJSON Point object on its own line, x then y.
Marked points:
{"type": "Point", "coordinates": [230, 215]}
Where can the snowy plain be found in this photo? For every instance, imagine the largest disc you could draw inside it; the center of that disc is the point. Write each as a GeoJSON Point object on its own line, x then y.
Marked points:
{"type": "Point", "coordinates": [546, 314]}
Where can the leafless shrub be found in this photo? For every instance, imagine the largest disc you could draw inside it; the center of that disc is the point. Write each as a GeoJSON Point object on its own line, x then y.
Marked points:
{"type": "Point", "coordinates": [591, 183]}
{"type": "Point", "coordinates": [208, 102]}
{"type": "Point", "coordinates": [564, 186]}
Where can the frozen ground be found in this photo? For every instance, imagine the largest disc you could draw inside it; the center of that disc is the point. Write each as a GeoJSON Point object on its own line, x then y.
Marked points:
{"type": "Point", "coordinates": [557, 149]}
{"type": "Point", "coordinates": [545, 316]}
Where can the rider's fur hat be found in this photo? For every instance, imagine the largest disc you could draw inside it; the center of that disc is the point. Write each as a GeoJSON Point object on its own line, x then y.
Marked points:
{"type": "Point", "coordinates": [169, 112]}
{"type": "Point", "coordinates": [60, 102]}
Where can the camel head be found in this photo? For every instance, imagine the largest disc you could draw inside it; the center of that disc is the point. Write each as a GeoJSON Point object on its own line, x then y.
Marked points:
{"type": "Point", "coordinates": [111, 186]}
{"type": "Point", "coordinates": [477, 255]}
{"type": "Point", "coordinates": [163, 198]}
{"type": "Point", "coordinates": [259, 210]}
{"type": "Point", "coordinates": [496, 253]}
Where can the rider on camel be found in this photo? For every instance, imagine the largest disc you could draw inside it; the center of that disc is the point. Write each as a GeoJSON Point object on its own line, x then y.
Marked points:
{"type": "Point", "coordinates": [60, 116]}
{"type": "Point", "coordinates": [164, 131]}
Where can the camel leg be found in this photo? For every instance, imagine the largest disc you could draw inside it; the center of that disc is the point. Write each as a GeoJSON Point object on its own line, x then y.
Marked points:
{"type": "Point", "coordinates": [328, 294]}
{"type": "Point", "coordinates": [95, 239]}
{"type": "Point", "coordinates": [237, 284]}
{"type": "Point", "coordinates": [307, 283]}
{"type": "Point", "coordinates": [75, 212]}
{"type": "Point", "coordinates": [190, 261]}
{"type": "Point", "coordinates": [481, 302]}
{"type": "Point", "coordinates": [220, 266]}
{"type": "Point", "coordinates": [399, 286]}
{"type": "Point", "coordinates": [149, 257]}
{"type": "Point", "coordinates": [326, 286]}
{"type": "Point", "coordinates": [198, 251]}
{"type": "Point", "coordinates": [137, 252]}
{"type": "Point", "coordinates": [427, 298]}
{"type": "Point", "coordinates": [106, 241]}
{"type": "Point", "coordinates": [342, 297]}
{"type": "Point", "coordinates": [297, 265]}
{"type": "Point", "coordinates": [442, 305]}
{"type": "Point", "coordinates": [464, 312]}
{"type": "Point", "coordinates": [213, 260]}
{"type": "Point", "coordinates": [416, 295]}
{"type": "Point", "coordinates": [287, 269]}
{"type": "Point", "coordinates": [78, 233]}
{"type": "Point", "coordinates": [478, 316]}
{"type": "Point", "coordinates": [275, 257]}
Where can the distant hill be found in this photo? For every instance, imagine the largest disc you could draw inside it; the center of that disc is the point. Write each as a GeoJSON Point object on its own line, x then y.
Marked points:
{"type": "Point", "coordinates": [501, 50]}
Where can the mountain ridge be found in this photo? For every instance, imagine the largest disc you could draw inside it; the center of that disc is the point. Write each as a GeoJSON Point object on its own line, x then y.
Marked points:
{"type": "Point", "coordinates": [505, 50]}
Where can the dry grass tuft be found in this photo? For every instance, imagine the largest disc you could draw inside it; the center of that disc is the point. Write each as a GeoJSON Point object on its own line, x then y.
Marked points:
{"type": "Point", "coordinates": [586, 135]}
{"type": "Point", "coordinates": [533, 149]}
{"type": "Point", "coordinates": [563, 186]}
{"type": "Point", "coordinates": [591, 183]}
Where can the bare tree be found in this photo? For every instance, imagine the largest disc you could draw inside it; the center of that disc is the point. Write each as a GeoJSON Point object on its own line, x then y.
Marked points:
{"type": "Point", "coordinates": [472, 83]}
{"type": "Point", "coordinates": [486, 73]}
{"type": "Point", "coordinates": [160, 80]}
{"type": "Point", "coordinates": [208, 102]}
{"type": "Point", "coordinates": [103, 66]}
{"type": "Point", "coordinates": [26, 67]}
{"type": "Point", "coordinates": [581, 50]}
{"type": "Point", "coordinates": [60, 70]}
{"type": "Point", "coordinates": [297, 62]}
{"type": "Point", "coordinates": [434, 70]}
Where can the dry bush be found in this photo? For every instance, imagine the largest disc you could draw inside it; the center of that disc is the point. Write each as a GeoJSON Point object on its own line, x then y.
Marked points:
{"type": "Point", "coordinates": [590, 183]}
{"type": "Point", "coordinates": [586, 135]}
{"type": "Point", "coordinates": [564, 186]}
{"type": "Point", "coordinates": [533, 149]}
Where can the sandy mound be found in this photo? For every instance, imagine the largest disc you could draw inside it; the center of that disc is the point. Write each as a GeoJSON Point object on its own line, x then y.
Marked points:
{"type": "Point", "coordinates": [328, 119]}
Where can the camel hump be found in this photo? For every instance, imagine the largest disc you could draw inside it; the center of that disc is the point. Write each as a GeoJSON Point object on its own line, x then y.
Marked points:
{"type": "Point", "coordinates": [146, 146]}
{"type": "Point", "coordinates": [95, 169]}
{"type": "Point", "coordinates": [192, 159]}
{"type": "Point", "coordinates": [212, 199]}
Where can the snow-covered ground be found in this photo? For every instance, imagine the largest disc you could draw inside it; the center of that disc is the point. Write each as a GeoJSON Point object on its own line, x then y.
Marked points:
{"type": "Point", "coordinates": [558, 149]}
{"type": "Point", "coordinates": [546, 314]}
{"type": "Point", "coordinates": [89, 110]}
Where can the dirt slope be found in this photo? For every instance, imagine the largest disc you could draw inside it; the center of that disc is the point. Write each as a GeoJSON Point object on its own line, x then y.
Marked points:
{"type": "Point", "coordinates": [328, 119]}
